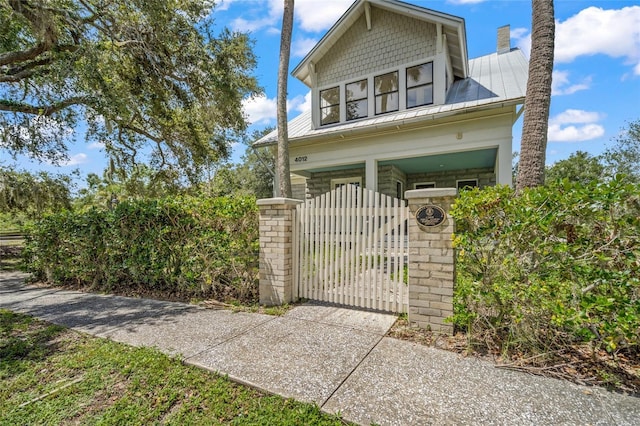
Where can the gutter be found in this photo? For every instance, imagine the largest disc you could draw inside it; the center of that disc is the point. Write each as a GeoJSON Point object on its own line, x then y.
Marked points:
{"type": "Point", "coordinates": [381, 127]}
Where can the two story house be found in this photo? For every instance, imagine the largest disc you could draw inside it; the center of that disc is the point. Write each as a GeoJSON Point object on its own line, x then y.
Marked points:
{"type": "Point", "coordinates": [397, 104]}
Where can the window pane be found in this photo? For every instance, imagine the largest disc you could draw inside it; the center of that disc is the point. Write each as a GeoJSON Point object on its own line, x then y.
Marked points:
{"type": "Point", "coordinates": [330, 106]}
{"type": "Point", "coordinates": [420, 74]}
{"type": "Point", "coordinates": [330, 114]}
{"type": "Point", "coordinates": [330, 97]}
{"type": "Point", "coordinates": [357, 109]}
{"type": "Point", "coordinates": [471, 183]}
{"type": "Point", "coordinates": [386, 83]}
{"type": "Point", "coordinates": [387, 103]}
{"type": "Point", "coordinates": [357, 90]}
{"type": "Point", "coordinates": [417, 96]}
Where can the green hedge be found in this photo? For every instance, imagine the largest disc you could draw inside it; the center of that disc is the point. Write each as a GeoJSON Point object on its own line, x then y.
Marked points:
{"type": "Point", "coordinates": [187, 246]}
{"type": "Point", "coordinates": [553, 266]}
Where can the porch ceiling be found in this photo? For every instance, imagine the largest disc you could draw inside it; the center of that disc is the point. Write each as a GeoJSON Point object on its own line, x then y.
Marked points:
{"type": "Point", "coordinates": [445, 162]}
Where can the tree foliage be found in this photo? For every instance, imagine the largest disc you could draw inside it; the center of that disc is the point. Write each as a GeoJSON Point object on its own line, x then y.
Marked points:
{"type": "Point", "coordinates": [148, 77]}
{"type": "Point", "coordinates": [136, 183]}
{"type": "Point", "coordinates": [579, 167]}
{"type": "Point", "coordinates": [622, 158]}
{"type": "Point", "coordinates": [558, 265]}
{"type": "Point", "coordinates": [180, 246]}
{"type": "Point", "coordinates": [30, 195]}
{"type": "Point", "coordinates": [253, 176]}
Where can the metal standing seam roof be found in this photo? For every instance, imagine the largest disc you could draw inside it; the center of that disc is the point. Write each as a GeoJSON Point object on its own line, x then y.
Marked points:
{"type": "Point", "coordinates": [493, 80]}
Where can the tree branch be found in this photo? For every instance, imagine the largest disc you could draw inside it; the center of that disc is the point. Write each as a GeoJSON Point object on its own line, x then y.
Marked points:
{"type": "Point", "coordinates": [23, 55]}
{"type": "Point", "coordinates": [44, 110]}
{"type": "Point", "coordinates": [15, 74]}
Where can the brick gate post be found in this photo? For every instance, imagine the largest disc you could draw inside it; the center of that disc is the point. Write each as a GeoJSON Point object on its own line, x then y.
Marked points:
{"type": "Point", "coordinates": [276, 250]}
{"type": "Point", "coordinates": [431, 258]}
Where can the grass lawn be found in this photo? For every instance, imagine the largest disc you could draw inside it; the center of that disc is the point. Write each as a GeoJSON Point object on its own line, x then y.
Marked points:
{"type": "Point", "coordinates": [10, 254]}
{"type": "Point", "coordinates": [53, 375]}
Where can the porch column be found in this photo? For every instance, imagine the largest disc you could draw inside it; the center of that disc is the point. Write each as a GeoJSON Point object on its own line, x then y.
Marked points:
{"type": "Point", "coordinates": [371, 174]}
{"type": "Point", "coordinates": [431, 258]}
{"type": "Point", "coordinates": [504, 157]}
{"type": "Point", "coordinates": [276, 250]}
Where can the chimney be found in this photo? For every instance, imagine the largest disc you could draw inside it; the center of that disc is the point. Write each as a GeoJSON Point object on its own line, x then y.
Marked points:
{"type": "Point", "coordinates": [504, 39]}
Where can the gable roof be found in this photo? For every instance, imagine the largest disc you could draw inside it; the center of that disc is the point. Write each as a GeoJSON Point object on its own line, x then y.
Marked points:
{"type": "Point", "coordinates": [494, 80]}
{"type": "Point", "coordinates": [453, 28]}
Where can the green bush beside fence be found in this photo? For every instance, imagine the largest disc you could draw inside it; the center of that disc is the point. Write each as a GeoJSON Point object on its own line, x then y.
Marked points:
{"type": "Point", "coordinates": [185, 246]}
{"type": "Point", "coordinates": [553, 266]}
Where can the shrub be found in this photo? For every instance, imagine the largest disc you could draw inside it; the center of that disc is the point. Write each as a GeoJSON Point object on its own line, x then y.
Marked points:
{"type": "Point", "coordinates": [185, 246]}
{"type": "Point", "coordinates": [553, 266]}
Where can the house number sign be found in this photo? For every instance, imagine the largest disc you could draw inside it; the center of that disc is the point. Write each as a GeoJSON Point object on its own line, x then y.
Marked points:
{"type": "Point", "coordinates": [430, 215]}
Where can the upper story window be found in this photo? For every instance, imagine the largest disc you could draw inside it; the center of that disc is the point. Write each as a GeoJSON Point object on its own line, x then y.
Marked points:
{"type": "Point", "coordinates": [357, 100]}
{"type": "Point", "coordinates": [330, 105]}
{"type": "Point", "coordinates": [386, 92]}
{"type": "Point", "coordinates": [397, 89]}
{"type": "Point", "coordinates": [420, 85]}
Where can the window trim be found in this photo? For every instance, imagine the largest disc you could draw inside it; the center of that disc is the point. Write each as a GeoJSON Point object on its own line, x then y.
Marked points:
{"type": "Point", "coordinates": [400, 195]}
{"type": "Point", "coordinates": [407, 87]}
{"type": "Point", "coordinates": [339, 105]}
{"type": "Point", "coordinates": [466, 180]}
{"type": "Point", "coordinates": [415, 185]}
{"type": "Point", "coordinates": [397, 91]}
{"type": "Point", "coordinates": [347, 101]}
{"type": "Point", "coordinates": [371, 96]}
{"type": "Point", "coordinates": [346, 181]}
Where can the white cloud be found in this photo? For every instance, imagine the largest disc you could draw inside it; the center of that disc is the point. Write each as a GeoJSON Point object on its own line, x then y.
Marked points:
{"type": "Point", "coordinates": [263, 110]}
{"type": "Point", "coordinates": [574, 125]}
{"type": "Point", "coordinates": [310, 15]}
{"type": "Point", "coordinates": [302, 46]}
{"type": "Point", "coordinates": [593, 31]}
{"type": "Point", "coordinates": [315, 16]}
{"type": "Point", "coordinates": [614, 33]}
{"type": "Point", "coordinates": [96, 145]}
{"type": "Point", "coordinates": [223, 5]}
{"type": "Point", "coordinates": [75, 160]}
{"type": "Point", "coordinates": [245, 25]}
{"type": "Point", "coordinates": [576, 116]}
{"type": "Point", "coordinates": [561, 85]}
{"type": "Point", "coordinates": [300, 103]}
{"type": "Point", "coordinates": [260, 109]}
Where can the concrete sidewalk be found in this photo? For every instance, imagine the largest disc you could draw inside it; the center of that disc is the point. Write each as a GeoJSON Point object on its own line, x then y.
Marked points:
{"type": "Point", "coordinates": [337, 358]}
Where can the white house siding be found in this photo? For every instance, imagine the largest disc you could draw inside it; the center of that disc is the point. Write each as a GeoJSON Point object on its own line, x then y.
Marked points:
{"type": "Point", "coordinates": [393, 40]}
{"type": "Point", "coordinates": [473, 131]}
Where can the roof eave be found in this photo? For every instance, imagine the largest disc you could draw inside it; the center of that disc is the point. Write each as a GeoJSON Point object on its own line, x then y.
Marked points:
{"type": "Point", "coordinates": [397, 124]}
{"type": "Point", "coordinates": [301, 71]}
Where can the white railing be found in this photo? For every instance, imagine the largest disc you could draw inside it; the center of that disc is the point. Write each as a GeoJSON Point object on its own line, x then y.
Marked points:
{"type": "Point", "coordinates": [351, 249]}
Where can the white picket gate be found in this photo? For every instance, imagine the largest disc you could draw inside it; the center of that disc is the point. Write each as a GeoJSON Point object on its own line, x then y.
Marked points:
{"type": "Point", "coordinates": [351, 249]}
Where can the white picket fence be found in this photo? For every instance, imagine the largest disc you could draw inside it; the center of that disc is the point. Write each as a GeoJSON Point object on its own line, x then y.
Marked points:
{"type": "Point", "coordinates": [351, 249]}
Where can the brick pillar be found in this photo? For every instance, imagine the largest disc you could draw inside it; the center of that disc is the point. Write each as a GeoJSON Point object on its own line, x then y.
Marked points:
{"type": "Point", "coordinates": [431, 258]}
{"type": "Point", "coordinates": [276, 250]}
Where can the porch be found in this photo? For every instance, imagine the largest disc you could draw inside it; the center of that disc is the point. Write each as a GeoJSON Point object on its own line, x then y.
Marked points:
{"type": "Point", "coordinates": [393, 177]}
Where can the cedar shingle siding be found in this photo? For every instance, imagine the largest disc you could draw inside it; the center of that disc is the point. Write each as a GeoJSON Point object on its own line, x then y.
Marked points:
{"type": "Point", "coordinates": [397, 39]}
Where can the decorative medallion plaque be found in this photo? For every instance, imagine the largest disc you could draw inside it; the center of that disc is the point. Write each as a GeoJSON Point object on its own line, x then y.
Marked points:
{"type": "Point", "coordinates": [430, 215]}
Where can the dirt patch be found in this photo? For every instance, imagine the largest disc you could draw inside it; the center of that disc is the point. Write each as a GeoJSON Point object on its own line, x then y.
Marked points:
{"type": "Point", "coordinates": [619, 372]}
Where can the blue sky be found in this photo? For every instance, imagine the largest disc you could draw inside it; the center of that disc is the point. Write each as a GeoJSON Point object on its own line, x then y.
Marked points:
{"type": "Point", "coordinates": [596, 74]}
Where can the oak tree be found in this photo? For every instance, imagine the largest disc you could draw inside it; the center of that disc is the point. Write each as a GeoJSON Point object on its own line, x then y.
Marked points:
{"type": "Point", "coordinates": [147, 78]}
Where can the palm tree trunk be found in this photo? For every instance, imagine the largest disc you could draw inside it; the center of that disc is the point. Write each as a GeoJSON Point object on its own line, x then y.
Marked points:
{"type": "Point", "coordinates": [284, 176]}
{"type": "Point", "coordinates": [538, 98]}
